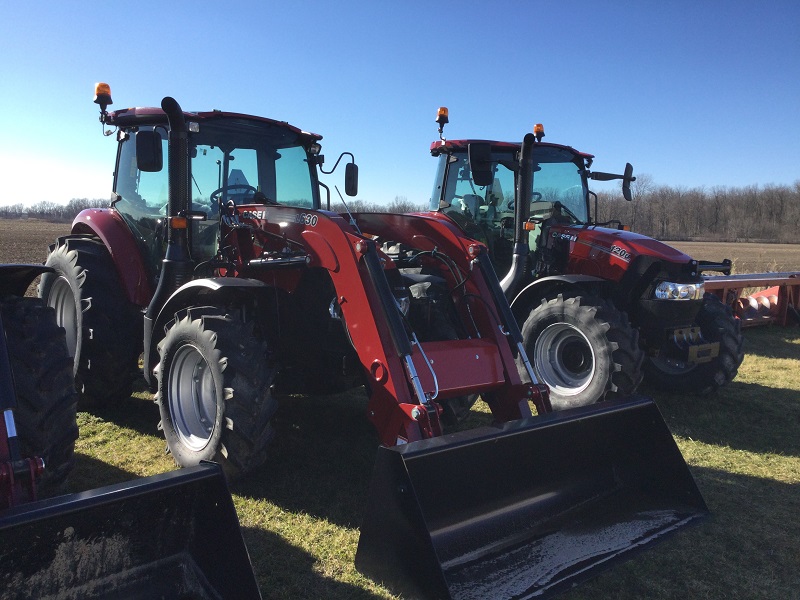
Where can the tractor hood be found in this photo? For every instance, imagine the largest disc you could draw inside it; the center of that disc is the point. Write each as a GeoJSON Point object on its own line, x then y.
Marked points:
{"type": "Point", "coordinates": [634, 243]}
{"type": "Point", "coordinates": [610, 253]}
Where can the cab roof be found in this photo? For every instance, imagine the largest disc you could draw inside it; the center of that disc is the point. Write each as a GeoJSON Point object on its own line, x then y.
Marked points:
{"type": "Point", "coordinates": [448, 146]}
{"type": "Point", "coordinates": [130, 117]}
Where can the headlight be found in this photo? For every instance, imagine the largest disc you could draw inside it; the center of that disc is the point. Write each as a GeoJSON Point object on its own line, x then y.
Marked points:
{"type": "Point", "coordinates": [667, 290]}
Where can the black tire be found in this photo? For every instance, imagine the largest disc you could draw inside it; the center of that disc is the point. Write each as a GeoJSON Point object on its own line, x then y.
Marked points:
{"type": "Point", "coordinates": [45, 391]}
{"type": "Point", "coordinates": [583, 348]}
{"type": "Point", "coordinates": [717, 324]}
{"type": "Point", "coordinates": [104, 329]}
{"type": "Point", "coordinates": [215, 391]}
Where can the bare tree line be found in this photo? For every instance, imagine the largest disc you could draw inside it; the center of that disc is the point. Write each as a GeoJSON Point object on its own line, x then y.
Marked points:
{"type": "Point", "coordinates": [768, 213]}
{"type": "Point", "coordinates": [400, 204]}
{"type": "Point", "coordinates": [50, 211]}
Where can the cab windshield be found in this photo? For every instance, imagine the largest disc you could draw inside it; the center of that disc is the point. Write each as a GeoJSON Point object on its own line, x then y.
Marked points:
{"type": "Point", "coordinates": [557, 177]}
{"type": "Point", "coordinates": [232, 160]}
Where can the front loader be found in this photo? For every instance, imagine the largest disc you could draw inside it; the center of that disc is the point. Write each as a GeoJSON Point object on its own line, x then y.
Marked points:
{"type": "Point", "coordinates": [223, 268]}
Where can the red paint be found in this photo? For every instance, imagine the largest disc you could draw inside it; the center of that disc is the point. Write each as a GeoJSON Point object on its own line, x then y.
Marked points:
{"type": "Point", "coordinates": [107, 224]}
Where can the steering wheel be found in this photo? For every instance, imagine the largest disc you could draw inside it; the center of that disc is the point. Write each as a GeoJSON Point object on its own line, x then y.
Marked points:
{"type": "Point", "coordinates": [236, 186]}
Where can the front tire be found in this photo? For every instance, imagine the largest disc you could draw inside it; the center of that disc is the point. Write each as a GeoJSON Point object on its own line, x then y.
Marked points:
{"type": "Point", "coordinates": [717, 324]}
{"type": "Point", "coordinates": [103, 329]}
{"type": "Point", "coordinates": [45, 415]}
{"type": "Point", "coordinates": [583, 348]}
{"type": "Point", "coordinates": [215, 391]}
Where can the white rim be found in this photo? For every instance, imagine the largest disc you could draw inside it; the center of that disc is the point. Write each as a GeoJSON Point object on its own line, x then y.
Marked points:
{"type": "Point", "coordinates": [565, 359]}
{"type": "Point", "coordinates": [192, 398]}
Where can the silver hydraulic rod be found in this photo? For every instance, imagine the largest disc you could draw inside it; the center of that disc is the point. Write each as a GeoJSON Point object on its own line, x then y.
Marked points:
{"type": "Point", "coordinates": [415, 382]}
{"type": "Point", "coordinates": [528, 366]}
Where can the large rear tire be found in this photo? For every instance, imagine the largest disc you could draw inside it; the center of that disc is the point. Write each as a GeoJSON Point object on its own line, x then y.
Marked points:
{"type": "Point", "coordinates": [717, 324]}
{"type": "Point", "coordinates": [45, 391]}
{"type": "Point", "coordinates": [103, 328]}
{"type": "Point", "coordinates": [583, 348]}
{"type": "Point", "coordinates": [215, 391]}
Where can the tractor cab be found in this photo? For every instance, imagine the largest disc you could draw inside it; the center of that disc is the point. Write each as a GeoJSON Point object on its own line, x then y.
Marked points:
{"type": "Point", "coordinates": [476, 183]}
{"type": "Point", "coordinates": [234, 160]}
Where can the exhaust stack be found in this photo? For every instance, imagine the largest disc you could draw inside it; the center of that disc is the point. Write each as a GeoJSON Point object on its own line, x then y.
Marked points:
{"type": "Point", "coordinates": [177, 266]}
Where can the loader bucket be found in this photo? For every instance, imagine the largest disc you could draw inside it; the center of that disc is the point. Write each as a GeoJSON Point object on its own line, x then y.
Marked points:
{"type": "Point", "coordinates": [173, 536]}
{"type": "Point", "coordinates": [526, 509]}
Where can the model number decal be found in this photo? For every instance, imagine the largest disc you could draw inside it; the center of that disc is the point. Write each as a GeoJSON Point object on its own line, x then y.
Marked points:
{"type": "Point", "coordinates": [569, 237]}
{"type": "Point", "coordinates": [622, 253]}
{"type": "Point", "coordinates": [306, 219]}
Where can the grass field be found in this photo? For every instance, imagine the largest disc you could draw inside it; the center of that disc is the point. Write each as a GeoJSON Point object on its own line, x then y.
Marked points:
{"type": "Point", "coordinates": [300, 512]}
{"type": "Point", "coordinates": [747, 258]}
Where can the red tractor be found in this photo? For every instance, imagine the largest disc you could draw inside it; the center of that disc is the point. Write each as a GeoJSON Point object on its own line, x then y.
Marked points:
{"type": "Point", "coordinates": [600, 306]}
{"type": "Point", "coordinates": [224, 272]}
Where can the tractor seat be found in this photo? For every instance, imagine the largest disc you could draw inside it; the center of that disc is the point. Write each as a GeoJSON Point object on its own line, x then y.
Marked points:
{"type": "Point", "coordinates": [472, 204]}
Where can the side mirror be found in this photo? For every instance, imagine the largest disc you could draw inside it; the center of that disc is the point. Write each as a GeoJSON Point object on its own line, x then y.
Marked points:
{"type": "Point", "coordinates": [480, 164]}
{"type": "Point", "coordinates": [149, 156]}
{"type": "Point", "coordinates": [351, 179]}
{"type": "Point", "coordinates": [627, 178]}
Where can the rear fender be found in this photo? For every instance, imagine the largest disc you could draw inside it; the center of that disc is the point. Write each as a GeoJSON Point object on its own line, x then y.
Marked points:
{"type": "Point", "coordinates": [212, 291]}
{"type": "Point", "coordinates": [15, 279]}
{"type": "Point", "coordinates": [108, 225]}
{"type": "Point", "coordinates": [532, 294]}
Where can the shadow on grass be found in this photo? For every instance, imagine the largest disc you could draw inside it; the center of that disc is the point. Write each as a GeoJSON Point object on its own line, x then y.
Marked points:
{"type": "Point", "coordinates": [287, 572]}
{"type": "Point", "coordinates": [772, 342]}
{"type": "Point", "coordinates": [742, 416]}
{"type": "Point", "coordinates": [137, 413]}
{"type": "Point", "coordinates": [321, 459]}
{"type": "Point", "coordinates": [319, 462]}
{"type": "Point", "coordinates": [90, 473]}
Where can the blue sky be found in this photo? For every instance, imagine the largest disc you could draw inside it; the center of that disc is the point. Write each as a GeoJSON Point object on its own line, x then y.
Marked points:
{"type": "Point", "coordinates": [693, 93]}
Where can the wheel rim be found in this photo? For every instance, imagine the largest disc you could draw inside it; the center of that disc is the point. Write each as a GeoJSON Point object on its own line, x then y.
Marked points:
{"type": "Point", "coordinates": [62, 300]}
{"type": "Point", "coordinates": [565, 359]}
{"type": "Point", "coordinates": [192, 398]}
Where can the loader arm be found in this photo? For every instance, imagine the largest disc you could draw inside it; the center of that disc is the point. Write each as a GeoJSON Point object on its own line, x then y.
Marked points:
{"type": "Point", "coordinates": [485, 362]}
{"type": "Point", "coordinates": [404, 374]}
